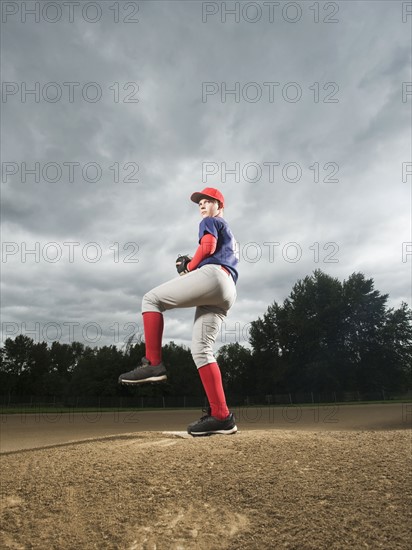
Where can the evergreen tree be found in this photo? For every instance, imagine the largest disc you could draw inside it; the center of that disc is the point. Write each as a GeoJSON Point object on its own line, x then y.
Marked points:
{"type": "Point", "coordinates": [236, 365]}
{"type": "Point", "coordinates": [329, 335]}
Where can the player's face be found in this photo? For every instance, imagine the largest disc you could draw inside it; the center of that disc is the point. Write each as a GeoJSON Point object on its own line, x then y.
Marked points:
{"type": "Point", "coordinates": [209, 208]}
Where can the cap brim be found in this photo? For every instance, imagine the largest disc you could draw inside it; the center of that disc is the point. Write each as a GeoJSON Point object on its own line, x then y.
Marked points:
{"type": "Point", "coordinates": [197, 197]}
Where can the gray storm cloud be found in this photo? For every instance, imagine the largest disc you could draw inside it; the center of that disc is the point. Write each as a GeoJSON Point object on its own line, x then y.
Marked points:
{"type": "Point", "coordinates": [305, 126]}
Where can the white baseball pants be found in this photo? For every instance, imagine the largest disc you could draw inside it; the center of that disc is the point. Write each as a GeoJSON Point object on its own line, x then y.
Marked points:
{"type": "Point", "coordinates": [211, 290]}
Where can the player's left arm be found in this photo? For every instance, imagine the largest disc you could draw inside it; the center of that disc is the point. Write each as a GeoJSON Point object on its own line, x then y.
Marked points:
{"type": "Point", "coordinates": [206, 248]}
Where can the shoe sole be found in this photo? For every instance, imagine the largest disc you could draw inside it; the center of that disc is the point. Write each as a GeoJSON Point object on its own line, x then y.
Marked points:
{"type": "Point", "coordinates": [144, 380]}
{"type": "Point", "coordinates": [217, 432]}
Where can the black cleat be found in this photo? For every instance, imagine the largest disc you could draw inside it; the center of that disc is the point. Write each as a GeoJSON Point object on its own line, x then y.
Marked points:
{"type": "Point", "coordinates": [209, 425]}
{"type": "Point", "coordinates": [144, 373]}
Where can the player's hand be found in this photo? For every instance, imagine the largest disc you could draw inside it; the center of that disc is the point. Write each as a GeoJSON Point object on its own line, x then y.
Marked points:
{"type": "Point", "coordinates": [181, 264]}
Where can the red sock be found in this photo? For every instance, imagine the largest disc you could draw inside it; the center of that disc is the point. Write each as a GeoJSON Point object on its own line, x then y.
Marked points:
{"type": "Point", "coordinates": [212, 382]}
{"type": "Point", "coordinates": [153, 332]}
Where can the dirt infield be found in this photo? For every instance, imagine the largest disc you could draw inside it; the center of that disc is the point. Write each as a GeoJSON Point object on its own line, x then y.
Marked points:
{"type": "Point", "coordinates": [262, 488]}
{"type": "Point", "coordinates": [30, 431]}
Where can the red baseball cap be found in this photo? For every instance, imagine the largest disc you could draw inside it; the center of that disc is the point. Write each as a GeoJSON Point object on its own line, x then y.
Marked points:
{"type": "Point", "coordinates": [208, 193]}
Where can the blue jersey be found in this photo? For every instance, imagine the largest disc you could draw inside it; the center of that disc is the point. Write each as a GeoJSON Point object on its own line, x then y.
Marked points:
{"type": "Point", "coordinates": [225, 253]}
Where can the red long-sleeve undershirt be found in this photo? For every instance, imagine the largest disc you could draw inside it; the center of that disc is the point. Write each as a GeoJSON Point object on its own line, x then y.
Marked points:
{"type": "Point", "coordinates": [205, 249]}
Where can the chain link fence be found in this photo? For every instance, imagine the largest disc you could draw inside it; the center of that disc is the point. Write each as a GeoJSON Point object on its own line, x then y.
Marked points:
{"type": "Point", "coordinates": [10, 402]}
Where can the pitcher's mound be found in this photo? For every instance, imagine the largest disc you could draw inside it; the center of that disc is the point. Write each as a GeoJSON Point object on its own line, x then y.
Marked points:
{"type": "Point", "coordinates": [169, 491]}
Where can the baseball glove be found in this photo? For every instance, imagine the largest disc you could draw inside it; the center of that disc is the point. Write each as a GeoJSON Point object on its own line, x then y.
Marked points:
{"type": "Point", "coordinates": [181, 264]}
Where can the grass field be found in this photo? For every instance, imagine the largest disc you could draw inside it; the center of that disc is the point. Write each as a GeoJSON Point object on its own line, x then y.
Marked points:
{"type": "Point", "coordinates": [36, 409]}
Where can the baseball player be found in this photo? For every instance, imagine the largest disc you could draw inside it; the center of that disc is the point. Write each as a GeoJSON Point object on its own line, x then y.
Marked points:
{"type": "Point", "coordinates": [207, 282]}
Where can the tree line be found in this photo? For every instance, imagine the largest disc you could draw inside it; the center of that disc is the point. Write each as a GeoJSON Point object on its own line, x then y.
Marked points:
{"type": "Point", "coordinates": [327, 335]}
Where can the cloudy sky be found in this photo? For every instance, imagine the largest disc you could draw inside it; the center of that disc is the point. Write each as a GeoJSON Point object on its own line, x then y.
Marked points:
{"type": "Point", "coordinates": [113, 113]}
